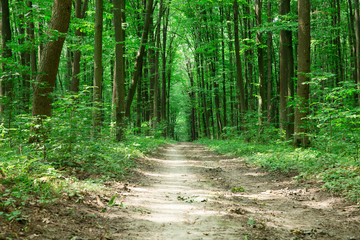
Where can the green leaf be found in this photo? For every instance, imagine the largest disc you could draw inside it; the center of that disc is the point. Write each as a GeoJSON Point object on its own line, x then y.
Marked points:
{"type": "Point", "coordinates": [111, 203]}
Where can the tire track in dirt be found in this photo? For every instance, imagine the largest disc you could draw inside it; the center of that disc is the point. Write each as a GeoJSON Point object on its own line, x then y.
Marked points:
{"type": "Point", "coordinates": [185, 194]}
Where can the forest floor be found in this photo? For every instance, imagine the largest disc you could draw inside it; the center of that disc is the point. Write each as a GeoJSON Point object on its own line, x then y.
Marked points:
{"type": "Point", "coordinates": [185, 191]}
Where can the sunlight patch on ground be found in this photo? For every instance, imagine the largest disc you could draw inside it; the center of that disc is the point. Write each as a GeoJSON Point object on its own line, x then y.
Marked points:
{"type": "Point", "coordinates": [324, 205]}
{"type": "Point", "coordinates": [258, 174]}
{"type": "Point", "coordinates": [174, 197]}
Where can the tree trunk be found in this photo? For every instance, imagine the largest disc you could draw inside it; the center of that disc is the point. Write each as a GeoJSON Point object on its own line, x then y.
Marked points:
{"type": "Point", "coordinates": [119, 73]}
{"type": "Point", "coordinates": [98, 68]}
{"type": "Point", "coordinates": [31, 37]}
{"type": "Point", "coordinates": [25, 62]}
{"type": "Point", "coordinates": [139, 58]}
{"type": "Point", "coordinates": [5, 82]}
{"type": "Point", "coordinates": [192, 101]}
{"type": "Point", "coordinates": [157, 93]}
{"type": "Point", "coordinates": [50, 58]}
{"type": "Point", "coordinates": [147, 88]}
{"type": "Point", "coordinates": [239, 75]}
{"type": "Point", "coordinates": [151, 56]}
{"type": "Point", "coordinates": [80, 9]}
{"type": "Point", "coordinates": [260, 55]}
{"type": "Point", "coordinates": [163, 72]}
{"type": "Point", "coordinates": [352, 42]}
{"type": "Point", "coordinates": [168, 74]}
{"type": "Point", "coordinates": [224, 102]}
{"type": "Point", "coordinates": [303, 90]}
{"type": "Point", "coordinates": [340, 60]}
{"type": "Point", "coordinates": [213, 36]}
{"type": "Point", "coordinates": [139, 105]}
{"type": "Point", "coordinates": [357, 46]}
{"type": "Point", "coordinates": [231, 74]}
{"type": "Point", "coordinates": [286, 70]}
{"type": "Point", "coordinates": [205, 106]}
{"type": "Point", "coordinates": [249, 70]}
{"type": "Point", "coordinates": [269, 66]}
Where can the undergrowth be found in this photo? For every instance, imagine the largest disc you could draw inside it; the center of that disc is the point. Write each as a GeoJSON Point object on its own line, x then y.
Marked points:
{"type": "Point", "coordinates": [27, 176]}
{"type": "Point", "coordinates": [339, 173]}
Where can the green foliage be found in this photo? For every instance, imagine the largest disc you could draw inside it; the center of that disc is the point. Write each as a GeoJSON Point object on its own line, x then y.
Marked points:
{"type": "Point", "coordinates": [254, 131]}
{"type": "Point", "coordinates": [64, 159]}
{"type": "Point", "coordinates": [335, 123]}
{"type": "Point", "coordinates": [339, 172]}
{"type": "Point", "coordinates": [237, 189]}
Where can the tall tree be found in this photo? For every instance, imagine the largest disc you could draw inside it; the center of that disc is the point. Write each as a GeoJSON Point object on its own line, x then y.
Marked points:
{"type": "Point", "coordinates": [80, 9]}
{"type": "Point", "coordinates": [119, 73]}
{"type": "Point", "coordinates": [286, 70]}
{"type": "Point", "coordinates": [357, 46]}
{"type": "Point", "coordinates": [50, 58]}
{"type": "Point", "coordinates": [352, 41]}
{"type": "Point", "coordinates": [31, 38]}
{"type": "Point", "coordinates": [139, 58]}
{"type": "Point", "coordinates": [98, 68]}
{"type": "Point", "coordinates": [164, 61]}
{"type": "Point", "coordinates": [261, 67]}
{"type": "Point", "coordinates": [231, 68]}
{"type": "Point", "coordinates": [303, 88]}
{"type": "Point", "coordinates": [24, 57]}
{"type": "Point", "coordinates": [239, 74]}
{"type": "Point", "coordinates": [157, 93]}
{"type": "Point", "coordinates": [269, 65]}
{"type": "Point", "coordinates": [224, 100]}
{"type": "Point", "coordinates": [337, 41]}
{"type": "Point", "coordinates": [5, 81]}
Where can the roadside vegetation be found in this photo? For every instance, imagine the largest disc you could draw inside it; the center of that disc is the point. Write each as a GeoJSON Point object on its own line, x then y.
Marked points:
{"type": "Point", "coordinates": [60, 167]}
{"type": "Point", "coordinates": [337, 172]}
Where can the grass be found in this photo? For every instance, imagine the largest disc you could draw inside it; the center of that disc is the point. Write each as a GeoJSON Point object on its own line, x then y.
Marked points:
{"type": "Point", "coordinates": [26, 176]}
{"type": "Point", "coordinates": [339, 173]}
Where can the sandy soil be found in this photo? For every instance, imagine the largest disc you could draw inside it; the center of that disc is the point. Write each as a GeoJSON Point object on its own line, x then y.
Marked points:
{"type": "Point", "coordinates": [187, 192]}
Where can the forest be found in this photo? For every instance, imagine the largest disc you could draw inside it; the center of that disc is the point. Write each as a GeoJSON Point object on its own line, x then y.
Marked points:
{"type": "Point", "coordinates": [88, 87]}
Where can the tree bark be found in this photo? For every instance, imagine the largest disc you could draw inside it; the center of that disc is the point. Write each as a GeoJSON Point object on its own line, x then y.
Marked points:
{"type": "Point", "coordinates": [50, 58]}
{"type": "Point", "coordinates": [231, 74]}
{"type": "Point", "coordinates": [163, 72]}
{"type": "Point", "coordinates": [80, 9]}
{"type": "Point", "coordinates": [204, 96]}
{"type": "Point", "coordinates": [269, 66]}
{"type": "Point", "coordinates": [139, 58]}
{"type": "Point", "coordinates": [119, 72]}
{"type": "Point", "coordinates": [31, 37]}
{"type": "Point", "coordinates": [247, 21]}
{"type": "Point", "coordinates": [260, 55]}
{"type": "Point", "coordinates": [357, 47]}
{"type": "Point", "coordinates": [303, 89]}
{"type": "Point", "coordinates": [286, 70]}
{"type": "Point", "coordinates": [25, 60]}
{"type": "Point", "coordinates": [239, 75]}
{"type": "Point", "coordinates": [5, 82]}
{"type": "Point", "coordinates": [191, 93]}
{"type": "Point", "coordinates": [151, 56]}
{"type": "Point", "coordinates": [340, 60]}
{"type": "Point", "coordinates": [168, 74]}
{"type": "Point", "coordinates": [352, 42]}
{"type": "Point", "coordinates": [98, 68]}
{"type": "Point", "coordinates": [224, 100]}
{"type": "Point", "coordinates": [157, 92]}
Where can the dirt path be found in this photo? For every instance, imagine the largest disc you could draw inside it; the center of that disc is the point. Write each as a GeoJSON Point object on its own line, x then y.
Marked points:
{"type": "Point", "coordinates": [186, 194]}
